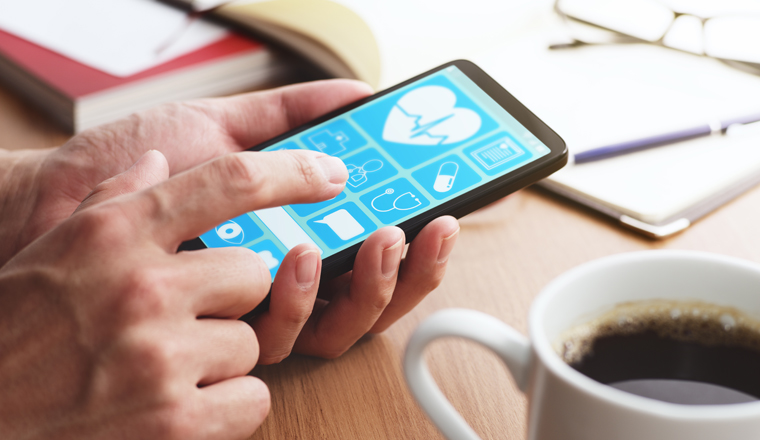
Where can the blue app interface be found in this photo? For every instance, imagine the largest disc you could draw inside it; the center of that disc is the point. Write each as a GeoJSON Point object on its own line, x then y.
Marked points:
{"type": "Point", "coordinates": [407, 152]}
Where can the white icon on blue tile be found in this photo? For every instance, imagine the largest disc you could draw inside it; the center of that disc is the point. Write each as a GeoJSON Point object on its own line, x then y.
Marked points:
{"type": "Point", "coordinates": [497, 153]}
{"type": "Point", "coordinates": [234, 232]}
{"type": "Point", "coordinates": [231, 232]}
{"type": "Point", "coordinates": [336, 138]}
{"type": "Point", "coordinates": [394, 201]}
{"type": "Point", "coordinates": [446, 177]}
{"type": "Point", "coordinates": [341, 225]}
{"type": "Point", "coordinates": [366, 169]}
{"type": "Point", "coordinates": [429, 115]}
{"type": "Point", "coordinates": [420, 122]}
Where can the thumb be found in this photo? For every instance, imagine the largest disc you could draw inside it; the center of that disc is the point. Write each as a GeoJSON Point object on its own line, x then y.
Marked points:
{"type": "Point", "coordinates": [149, 170]}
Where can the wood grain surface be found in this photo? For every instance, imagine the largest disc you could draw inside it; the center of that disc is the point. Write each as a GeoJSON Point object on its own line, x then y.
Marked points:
{"type": "Point", "coordinates": [506, 253]}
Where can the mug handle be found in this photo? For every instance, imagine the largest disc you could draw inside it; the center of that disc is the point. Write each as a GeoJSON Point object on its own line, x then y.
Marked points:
{"type": "Point", "coordinates": [512, 347]}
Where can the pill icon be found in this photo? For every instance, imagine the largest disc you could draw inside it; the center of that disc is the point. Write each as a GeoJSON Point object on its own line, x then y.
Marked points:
{"type": "Point", "coordinates": [446, 175]}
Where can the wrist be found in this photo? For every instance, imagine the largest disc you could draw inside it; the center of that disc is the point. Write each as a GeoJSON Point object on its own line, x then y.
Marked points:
{"type": "Point", "coordinates": [19, 191]}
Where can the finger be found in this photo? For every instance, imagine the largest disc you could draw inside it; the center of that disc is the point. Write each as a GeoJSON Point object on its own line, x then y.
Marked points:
{"type": "Point", "coordinates": [191, 203]}
{"type": "Point", "coordinates": [223, 349]}
{"type": "Point", "coordinates": [349, 316]}
{"type": "Point", "coordinates": [232, 409]}
{"type": "Point", "coordinates": [222, 282]}
{"type": "Point", "coordinates": [149, 170]}
{"type": "Point", "coordinates": [256, 117]}
{"type": "Point", "coordinates": [422, 270]}
{"type": "Point", "coordinates": [293, 294]}
{"type": "Point", "coordinates": [328, 289]}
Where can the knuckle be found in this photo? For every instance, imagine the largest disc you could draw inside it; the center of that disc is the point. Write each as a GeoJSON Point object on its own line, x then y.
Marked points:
{"type": "Point", "coordinates": [297, 315]}
{"type": "Point", "coordinates": [424, 282]}
{"type": "Point", "coordinates": [306, 169]}
{"type": "Point", "coordinates": [145, 293]}
{"type": "Point", "coordinates": [430, 283]}
{"type": "Point", "coordinates": [102, 226]}
{"type": "Point", "coordinates": [154, 359]}
{"type": "Point", "coordinates": [241, 176]}
{"type": "Point", "coordinates": [379, 301]}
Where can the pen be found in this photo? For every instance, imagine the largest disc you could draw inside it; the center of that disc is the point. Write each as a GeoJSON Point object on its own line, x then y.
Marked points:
{"type": "Point", "coordinates": [714, 127]}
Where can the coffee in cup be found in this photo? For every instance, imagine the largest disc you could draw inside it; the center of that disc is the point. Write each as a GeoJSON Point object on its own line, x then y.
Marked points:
{"type": "Point", "coordinates": [686, 352]}
{"type": "Point", "coordinates": [678, 316]}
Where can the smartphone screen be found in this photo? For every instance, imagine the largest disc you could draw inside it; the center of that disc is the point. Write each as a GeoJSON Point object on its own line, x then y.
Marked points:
{"type": "Point", "coordinates": [407, 152]}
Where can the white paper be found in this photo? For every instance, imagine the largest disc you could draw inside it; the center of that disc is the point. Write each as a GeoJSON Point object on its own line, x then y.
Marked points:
{"type": "Point", "coordinates": [417, 35]}
{"type": "Point", "coordinates": [602, 95]}
{"type": "Point", "coordinates": [119, 37]}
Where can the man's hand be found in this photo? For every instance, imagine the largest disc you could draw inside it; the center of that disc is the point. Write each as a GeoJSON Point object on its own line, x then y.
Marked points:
{"type": "Point", "coordinates": [38, 190]}
{"type": "Point", "coordinates": [303, 316]}
{"type": "Point", "coordinates": [107, 332]}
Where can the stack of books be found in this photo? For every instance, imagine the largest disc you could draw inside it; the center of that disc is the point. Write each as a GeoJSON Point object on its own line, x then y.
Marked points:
{"type": "Point", "coordinates": [82, 94]}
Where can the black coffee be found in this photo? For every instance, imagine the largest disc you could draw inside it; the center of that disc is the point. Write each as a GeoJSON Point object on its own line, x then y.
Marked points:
{"type": "Point", "coordinates": [679, 352]}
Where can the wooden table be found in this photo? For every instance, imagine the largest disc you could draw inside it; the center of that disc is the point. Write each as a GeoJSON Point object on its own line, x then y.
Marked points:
{"type": "Point", "coordinates": [505, 255]}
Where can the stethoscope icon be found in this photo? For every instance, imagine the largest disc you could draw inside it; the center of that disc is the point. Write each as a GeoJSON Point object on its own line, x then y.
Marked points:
{"type": "Point", "coordinates": [395, 201]}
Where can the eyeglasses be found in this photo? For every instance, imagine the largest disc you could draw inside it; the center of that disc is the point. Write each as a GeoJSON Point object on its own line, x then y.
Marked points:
{"type": "Point", "coordinates": [725, 29]}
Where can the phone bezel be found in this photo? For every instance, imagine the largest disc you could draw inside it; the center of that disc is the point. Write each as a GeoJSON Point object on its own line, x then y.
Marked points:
{"type": "Point", "coordinates": [463, 204]}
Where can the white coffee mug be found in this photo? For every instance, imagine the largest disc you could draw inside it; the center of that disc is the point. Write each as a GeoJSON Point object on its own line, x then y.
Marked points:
{"type": "Point", "coordinates": [563, 403]}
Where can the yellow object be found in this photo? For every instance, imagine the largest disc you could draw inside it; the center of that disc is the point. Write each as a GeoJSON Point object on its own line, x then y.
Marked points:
{"type": "Point", "coordinates": [326, 33]}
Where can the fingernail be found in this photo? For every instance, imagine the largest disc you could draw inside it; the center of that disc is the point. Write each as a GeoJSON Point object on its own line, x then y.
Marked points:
{"type": "Point", "coordinates": [447, 245]}
{"type": "Point", "coordinates": [306, 268]}
{"type": "Point", "coordinates": [334, 169]}
{"type": "Point", "coordinates": [392, 258]}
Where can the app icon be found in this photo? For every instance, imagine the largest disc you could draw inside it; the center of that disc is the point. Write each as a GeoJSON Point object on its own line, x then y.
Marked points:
{"type": "Point", "coordinates": [235, 232]}
{"type": "Point", "coordinates": [337, 227]}
{"type": "Point", "coordinates": [497, 154]}
{"type": "Point", "coordinates": [426, 120]}
{"type": "Point", "coordinates": [231, 232]}
{"type": "Point", "coordinates": [342, 224]}
{"type": "Point", "coordinates": [446, 177]}
{"type": "Point", "coordinates": [366, 169]}
{"type": "Point", "coordinates": [447, 174]}
{"type": "Point", "coordinates": [394, 201]}
{"type": "Point", "coordinates": [270, 254]}
{"type": "Point", "coordinates": [428, 115]}
{"type": "Point", "coordinates": [307, 209]}
{"type": "Point", "coordinates": [336, 138]}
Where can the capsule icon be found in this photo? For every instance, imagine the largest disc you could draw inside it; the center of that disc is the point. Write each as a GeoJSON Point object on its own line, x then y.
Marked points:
{"type": "Point", "coordinates": [446, 175]}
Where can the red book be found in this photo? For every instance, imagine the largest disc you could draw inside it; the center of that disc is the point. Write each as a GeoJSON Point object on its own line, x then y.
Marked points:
{"type": "Point", "coordinates": [81, 97]}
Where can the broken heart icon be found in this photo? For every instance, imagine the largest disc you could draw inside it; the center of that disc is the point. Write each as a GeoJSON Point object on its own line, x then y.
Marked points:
{"type": "Point", "coordinates": [428, 116]}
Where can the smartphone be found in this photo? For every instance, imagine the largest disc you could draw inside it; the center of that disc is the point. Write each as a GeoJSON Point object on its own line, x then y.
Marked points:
{"type": "Point", "coordinates": [446, 142]}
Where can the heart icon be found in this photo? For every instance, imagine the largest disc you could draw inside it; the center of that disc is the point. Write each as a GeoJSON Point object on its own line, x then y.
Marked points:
{"type": "Point", "coordinates": [428, 116]}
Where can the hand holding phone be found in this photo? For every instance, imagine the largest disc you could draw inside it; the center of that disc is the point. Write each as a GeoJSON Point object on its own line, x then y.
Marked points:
{"type": "Point", "coordinates": [446, 142]}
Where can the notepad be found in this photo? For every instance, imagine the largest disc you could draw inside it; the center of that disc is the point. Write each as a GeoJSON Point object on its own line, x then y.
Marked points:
{"type": "Point", "coordinates": [601, 95]}
{"type": "Point", "coordinates": [119, 37]}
